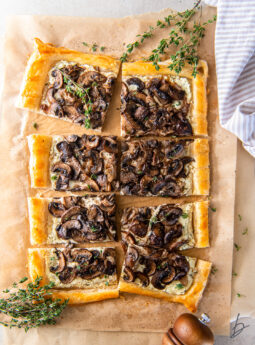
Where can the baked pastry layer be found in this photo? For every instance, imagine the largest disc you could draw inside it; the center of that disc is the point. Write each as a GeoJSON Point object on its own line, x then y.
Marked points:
{"type": "Point", "coordinates": [168, 168]}
{"type": "Point", "coordinates": [164, 274]}
{"type": "Point", "coordinates": [160, 102]}
{"type": "Point", "coordinates": [172, 226]}
{"type": "Point", "coordinates": [68, 85]}
{"type": "Point", "coordinates": [73, 162]}
{"type": "Point", "coordinates": [72, 219]}
{"type": "Point", "coordinates": [86, 275]}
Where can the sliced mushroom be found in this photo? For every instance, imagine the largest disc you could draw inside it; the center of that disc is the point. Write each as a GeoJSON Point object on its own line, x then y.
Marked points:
{"type": "Point", "coordinates": [71, 212]}
{"type": "Point", "coordinates": [56, 208]}
{"type": "Point", "coordinates": [110, 144]}
{"type": "Point", "coordinates": [150, 267]}
{"type": "Point", "coordinates": [129, 275]}
{"type": "Point", "coordinates": [170, 275]}
{"type": "Point", "coordinates": [69, 201]}
{"type": "Point", "coordinates": [65, 149]}
{"type": "Point", "coordinates": [67, 275]}
{"type": "Point", "coordinates": [71, 112]}
{"type": "Point", "coordinates": [62, 183]}
{"type": "Point", "coordinates": [138, 83]}
{"type": "Point", "coordinates": [89, 77]}
{"type": "Point", "coordinates": [95, 213]}
{"type": "Point", "coordinates": [143, 278]}
{"type": "Point", "coordinates": [92, 141]}
{"type": "Point", "coordinates": [131, 257]}
{"type": "Point", "coordinates": [76, 167]}
{"type": "Point", "coordinates": [56, 109]}
{"type": "Point", "coordinates": [66, 227]}
{"type": "Point", "coordinates": [50, 95]}
{"type": "Point", "coordinates": [58, 79]}
{"type": "Point", "coordinates": [81, 255]}
{"type": "Point", "coordinates": [139, 229]}
{"type": "Point", "coordinates": [61, 263]}
{"type": "Point", "coordinates": [64, 97]}
{"type": "Point", "coordinates": [62, 168]}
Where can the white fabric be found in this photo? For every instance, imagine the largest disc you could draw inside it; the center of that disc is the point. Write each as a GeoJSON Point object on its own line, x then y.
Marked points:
{"type": "Point", "coordinates": [235, 65]}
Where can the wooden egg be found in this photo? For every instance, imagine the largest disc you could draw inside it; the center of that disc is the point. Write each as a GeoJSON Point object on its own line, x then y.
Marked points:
{"type": "Point", "coordinates": [189, 330]}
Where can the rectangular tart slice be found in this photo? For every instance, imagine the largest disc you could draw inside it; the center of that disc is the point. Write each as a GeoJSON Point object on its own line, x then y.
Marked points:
{"type": "Point", "coordinates": [160, 102]}
{"type": "Point", "coordinates": [75, 219]}
{"type": "Point", "coordinates": [68, 84]}
{"type": "Point", "coordinates": [73, 162]}
{"type": "Point", "coordinates": [163, 274]}
{"type": "Point", "coordinates": [165, 168]}
{"type": "Point", "coordinates": [88, 273]}
{"type": "Point", "coordinates": [172, 226]}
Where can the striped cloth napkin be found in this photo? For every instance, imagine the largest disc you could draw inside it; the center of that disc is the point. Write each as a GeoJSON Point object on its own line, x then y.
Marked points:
{"type": "Point", "coordinates": [235, 66]}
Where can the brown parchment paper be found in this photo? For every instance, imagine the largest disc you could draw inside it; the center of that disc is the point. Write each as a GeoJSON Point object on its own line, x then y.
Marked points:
{"type": "Point", "coordinates": [130, 312]}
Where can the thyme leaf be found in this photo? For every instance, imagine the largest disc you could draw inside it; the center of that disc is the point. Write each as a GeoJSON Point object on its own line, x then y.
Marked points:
{"type": "Point", "coordinates": [30, 306]}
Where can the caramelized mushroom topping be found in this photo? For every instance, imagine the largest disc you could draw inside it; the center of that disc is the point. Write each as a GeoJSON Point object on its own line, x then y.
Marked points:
{"type": "Point", "coordinates": [85, 219]}
{"type": "Point", "coordinates": [156, 107]}
{"type": "Point", "coordinates": [157, 227]}
{"type": "Point", "coordinates": [158, 271]}
{"type": "Point", "coordinates": [71, 88]}
{"type": "Point", "coordinates": [84, 263]}
{"type": "Point", "coordinates": [152, 167]}
{"type": "Point", "coordinates": [85, 163]}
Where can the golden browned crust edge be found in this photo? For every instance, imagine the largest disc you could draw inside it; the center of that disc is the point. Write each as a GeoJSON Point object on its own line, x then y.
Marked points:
{"type": "Point", "coordinates": [200, 224]}
{"type": "Point", "coordinates": [39, 147]}
{"type": "Point", "coordinates": [201, 181]}
{"type": "Point", "coordinates": [38, 220]}
{"type": "Point", "coordinates": [44, 56]}
{"type": "Point", "coordinates": [200, 152]}
{"type": "Point", "coordinates": [36, 268]}
{"type": "Point", "coordinates": [190, 299]}
{"type": "Point", "coordinates": [199, 109]}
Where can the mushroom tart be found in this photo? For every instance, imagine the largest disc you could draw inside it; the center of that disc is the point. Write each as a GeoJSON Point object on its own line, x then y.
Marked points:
{"type": "Point", "coordinates": [73, 162]}
{"type": "Point", "coordinates": [75, 219]}
{"type": "Point", "coordinates": [90, 273]}
{"type": "Point", "coordinates": [69, 85]}
{"type": "Point", "coordinates": [170, 226]}
{"type": "Point", "coordinates": [164, 274]}
{"type": "Point", "coordinates": [160, 102]}
{"type": "Point", "coordinates": [165, 168]}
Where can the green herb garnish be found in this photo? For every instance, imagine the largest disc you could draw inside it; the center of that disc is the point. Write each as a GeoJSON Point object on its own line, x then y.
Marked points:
{"type": "Point", "coordinates": [179, 286]}
{"type": "Point", "coordinates": [187, 47]}
{"type": "Point", "coordinates": [155, 179]}
{"type": "Point", "coordinates": [245, 232]}
{"type": "Point", "coordinates": [213, 209]}
{"type": "Point", "coordinates": [93, 228]}
{"type": "Point", "coordinates": [214, 270]}
{"type": "Point", "coordinates": [31, 306]}
{"type": "Point", "coordinates": [107, 283]}
{"type": "Point", "coordinates": [35, 125]}
{"type": "Point", "coordinates": [85, 44]}
{"type": "Point", "coordinates": [54, 177]}
{"type": "Point", "coordinates": [94, 47]}
{"type": "Point", "coordinates": [234, 274]}
{"type": "Point", "coordinates": [93, 176]}
{"type": "Point", "coordinates": [102, 48]}
{"type": "Point", "coordinates": [237, 247]}
{"type": "Point", "coordinates": [240, 217]}
{"type": "Point", "coordinates": [185, 215]}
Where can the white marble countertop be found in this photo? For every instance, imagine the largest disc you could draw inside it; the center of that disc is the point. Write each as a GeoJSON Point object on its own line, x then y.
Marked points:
{"type": "Point", "coordinates": [119, 8]}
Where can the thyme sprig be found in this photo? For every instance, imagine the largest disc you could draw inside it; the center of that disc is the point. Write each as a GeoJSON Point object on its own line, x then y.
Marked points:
{"type": "Point", "coordinates": [83, 93]}
{"type": "Point", "coordinates": [32, 306]}
{"type": "Point", "coordinates": [187, 52]}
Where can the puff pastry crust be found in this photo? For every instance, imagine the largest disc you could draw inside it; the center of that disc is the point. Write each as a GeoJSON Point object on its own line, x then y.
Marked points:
{"type": "Point", "coordinates": [190, 299]}
{"type": "Point", "coordinates": [195, 89]}
{"type": "Point", "coordinates": [37, 267]}
{"type": "Point", "coordinates": [170, 226]}
{"type": "Point", "coordinates": [48, 219]}
{"type": "Point", "coordinates": [43, 59]}
{"type": "Point", "coordinates": [163, 167]}
{"type": "Point", "coordinates": [89, 162]}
